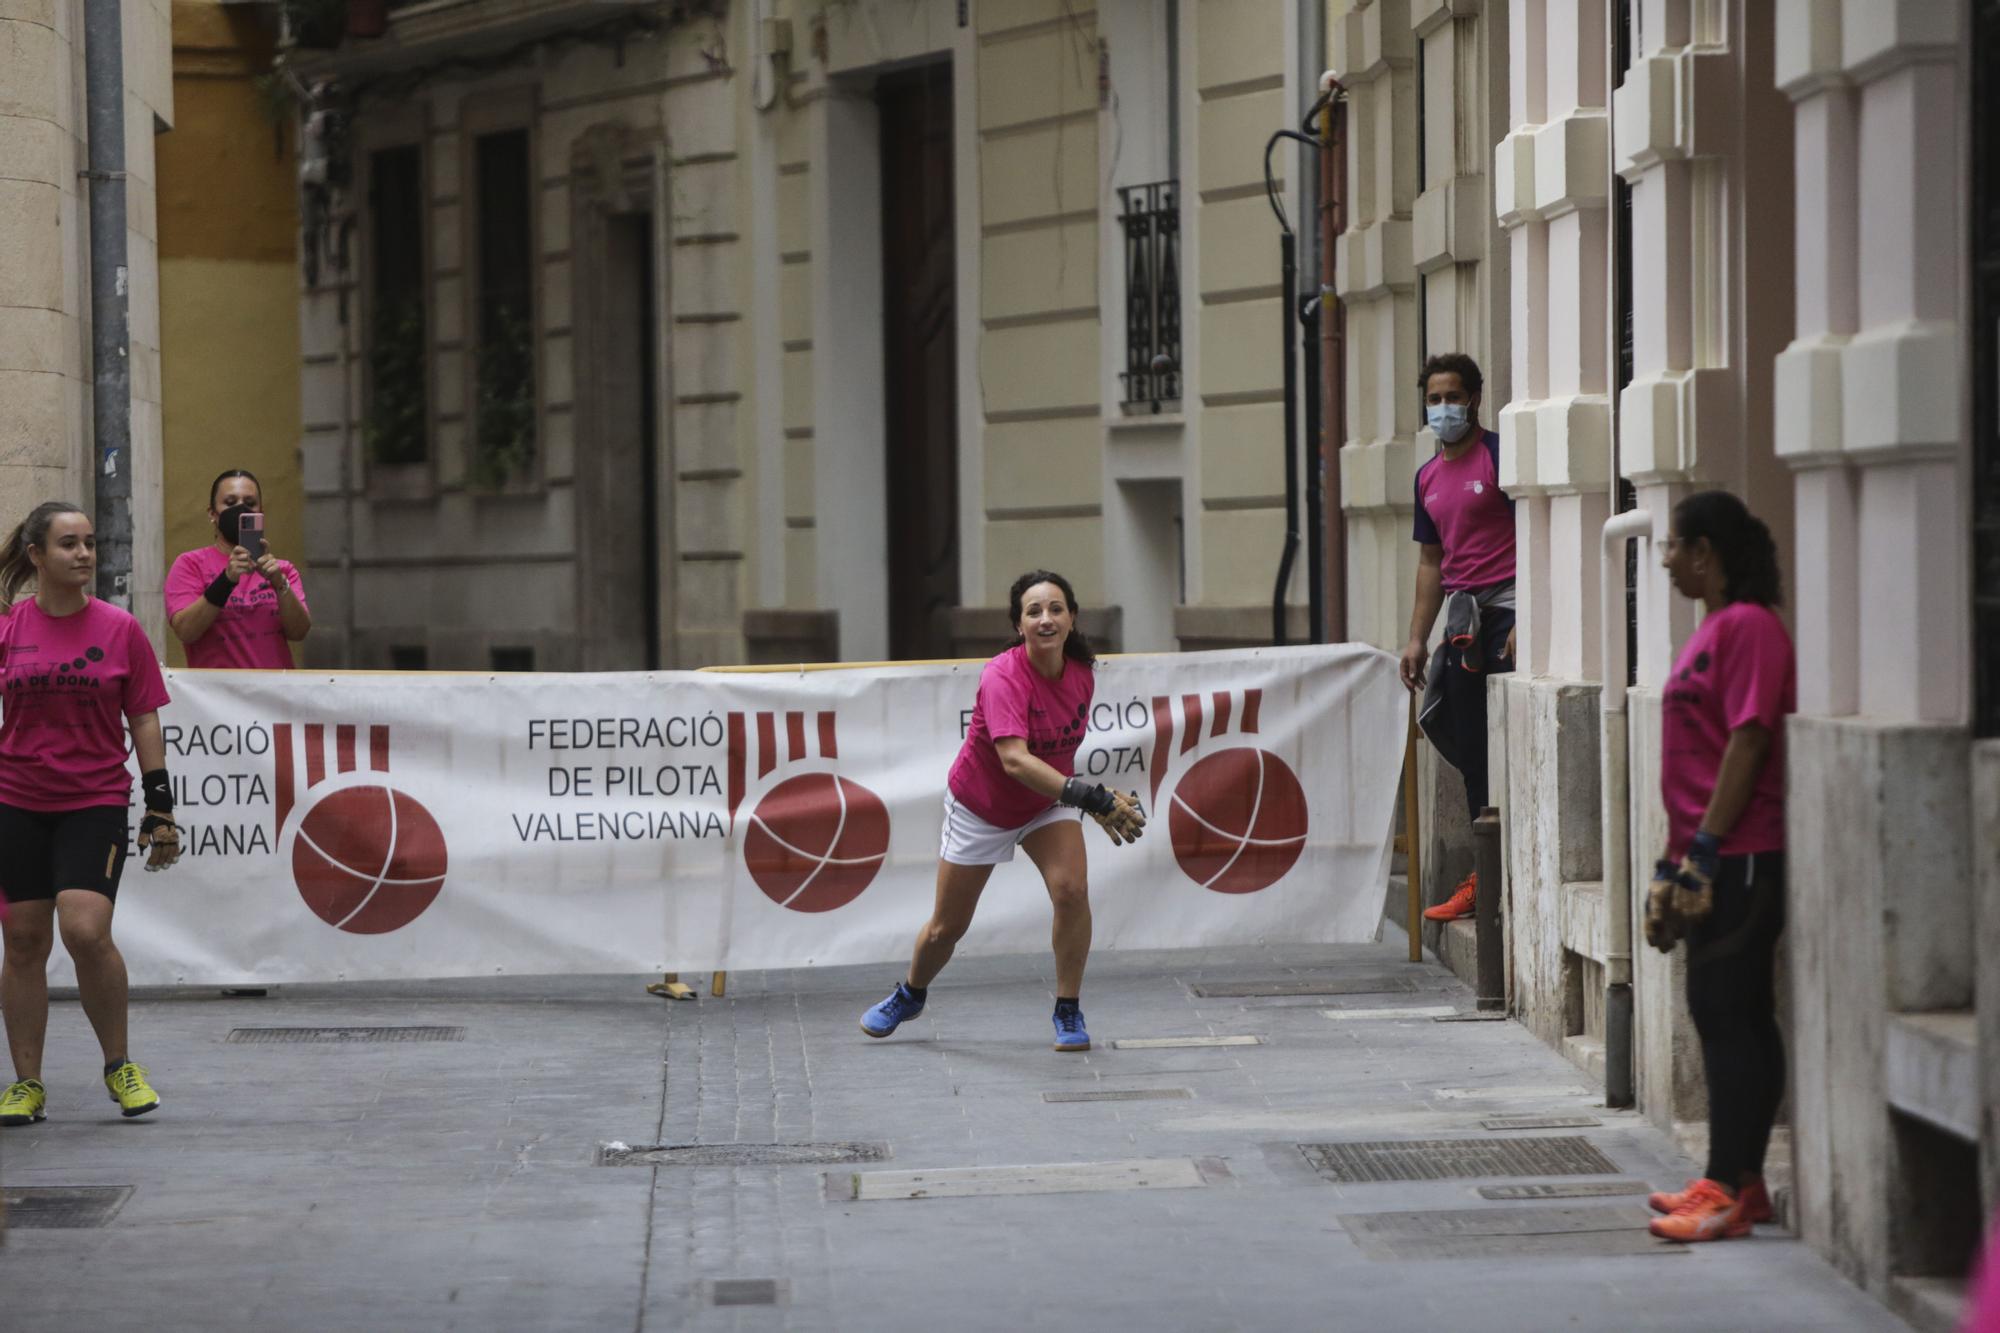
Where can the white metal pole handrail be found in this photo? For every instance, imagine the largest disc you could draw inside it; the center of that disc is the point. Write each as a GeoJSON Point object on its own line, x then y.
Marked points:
{"type": "Point", "coordinates": [1633, 525]}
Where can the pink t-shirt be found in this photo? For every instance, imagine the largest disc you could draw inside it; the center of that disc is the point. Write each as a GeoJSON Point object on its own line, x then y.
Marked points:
{"type": "Point", "coordinates": [1982, 1309]}
{"type": "Point", "coordinates": [247, 633]}
{"type": "Point", "coordinates": [1016, 700]}
{"type": "Point", "coordinates": [1736, 669]}
{"type": "Point", "coordinates": [69, 684]}
{"type": "Point", "coordinates": [1461, 507]}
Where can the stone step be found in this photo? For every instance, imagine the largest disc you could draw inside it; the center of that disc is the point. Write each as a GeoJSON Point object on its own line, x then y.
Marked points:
{"type": "Point", "coordinates": [1929, 1304]}
{"type": "Point", "coordinates": [1584, 928]}
{"type": "Point", "coordinates": [1931, 1068]}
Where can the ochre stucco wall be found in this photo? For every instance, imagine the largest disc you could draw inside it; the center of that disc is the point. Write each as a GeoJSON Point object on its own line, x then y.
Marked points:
{"type": "Point", "coordinates": [228, 285]}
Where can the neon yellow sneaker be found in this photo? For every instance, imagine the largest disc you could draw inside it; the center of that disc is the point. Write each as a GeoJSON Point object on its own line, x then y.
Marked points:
{"type": "Point", "coordinates": [130, 1090]}
{"type": "Point", "coordinates": [23, 1102]}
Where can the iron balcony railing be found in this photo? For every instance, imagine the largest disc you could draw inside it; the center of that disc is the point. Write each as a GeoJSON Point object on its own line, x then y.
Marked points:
{"type": "Point", "coordinates": [1151, 215]}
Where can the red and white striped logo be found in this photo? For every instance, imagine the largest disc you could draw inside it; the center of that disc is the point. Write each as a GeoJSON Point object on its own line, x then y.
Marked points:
{"type": "Point", "coordinates": [816, 839]}
{"type": "Point", "coordinates": [1237, 816]}
{"type": "Point", "coordinates": [367, 858]}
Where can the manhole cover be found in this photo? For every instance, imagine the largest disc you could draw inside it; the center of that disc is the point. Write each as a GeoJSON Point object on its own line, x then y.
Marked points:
{"type": "Point", "coordinates": [1121, 1095]}
{"type": "Point", "coordinates": [1169, 1043]}
{"type": "Point", "coordinates": [741, 1154]}
{"type": "Point", "coordinates": [743, 1291]}
{"type": "Point", "coordinates": [63, 1207]}
{"type": "Point", "coordinates": [1498, 1232]}
{"type": "Point", "coordinates": [1453, 1159]}
{"type": "Point", "coordinates": [1572, 1189]}
{"type": "Point", "coordinates": [337, 1036]}
{"type": "Point", "coordinates": [962, 1182]}
{"type": "Point", "coordinates": [1236, 990]}
{"type": "Point", "coordinates": [1539, 1122]}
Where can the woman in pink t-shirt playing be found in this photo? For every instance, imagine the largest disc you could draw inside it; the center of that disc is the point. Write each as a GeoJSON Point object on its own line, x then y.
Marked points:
{"type": "Point", "coordinates": [1014, 785]}
{"type": "Point", "coordinates": [74, 672]}
{"type": "Point", "coordinates": [1722, 882]}
{"type": "Point", "coordinates": [226, 618]}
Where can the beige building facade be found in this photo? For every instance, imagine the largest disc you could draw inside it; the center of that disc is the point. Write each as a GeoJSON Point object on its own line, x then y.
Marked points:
{"type": "Point", "coordinates": [795, 331]}
{"type": "Point", "coordinates": [46, 442]}
{"type": "Point", "coordinates": [1744, 248]}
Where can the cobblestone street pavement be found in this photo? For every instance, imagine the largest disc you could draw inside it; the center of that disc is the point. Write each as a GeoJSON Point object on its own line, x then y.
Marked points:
{"type": "Point", "coordinates": [497, 1178]}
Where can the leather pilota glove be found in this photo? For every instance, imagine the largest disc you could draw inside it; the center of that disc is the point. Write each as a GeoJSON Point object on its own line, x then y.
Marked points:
{"type": "Point", "coordinates": [1694, 897]}
{"type": "Point", "coordinates": [1126, 819]}
{"type": "Point", "coordinates": [1663, 924]}
{"type": "Point", "coordinates": [159, 836]}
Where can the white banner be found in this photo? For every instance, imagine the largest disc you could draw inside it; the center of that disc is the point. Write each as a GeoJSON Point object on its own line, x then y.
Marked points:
{"type": "Point", "coordinates": [386, 826]}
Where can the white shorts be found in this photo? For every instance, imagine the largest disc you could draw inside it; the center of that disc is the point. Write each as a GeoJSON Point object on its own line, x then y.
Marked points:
{"type": "Point", "coordinates": [969, 840]}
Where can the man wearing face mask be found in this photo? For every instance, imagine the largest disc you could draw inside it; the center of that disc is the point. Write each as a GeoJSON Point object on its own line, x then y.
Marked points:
{"type": "Point", "coordinates": [1465, 525]}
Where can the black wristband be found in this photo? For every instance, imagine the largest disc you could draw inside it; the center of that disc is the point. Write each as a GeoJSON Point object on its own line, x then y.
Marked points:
{"type": "Point", "coordinates": [159, 791]}
{"type": "Point", "coordinates": [219, 589]}
{"type": "Point", "coordinates": [1090, 797]}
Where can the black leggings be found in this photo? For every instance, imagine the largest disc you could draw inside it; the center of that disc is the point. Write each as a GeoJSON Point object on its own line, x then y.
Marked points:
{"type": "Point", "coordinates": [1732, 993]}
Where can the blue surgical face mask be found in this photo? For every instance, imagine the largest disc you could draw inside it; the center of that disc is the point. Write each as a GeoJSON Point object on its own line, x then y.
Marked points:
{"type": "Point", "coordinates": [1449, 421]}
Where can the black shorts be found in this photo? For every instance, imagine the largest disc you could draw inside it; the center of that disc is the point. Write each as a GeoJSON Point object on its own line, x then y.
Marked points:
{"type": "Point", "coordinates": [45, 851]}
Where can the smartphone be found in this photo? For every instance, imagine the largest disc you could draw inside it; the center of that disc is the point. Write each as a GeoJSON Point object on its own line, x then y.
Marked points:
{"type": "Point", "coordinates": [250, 534]}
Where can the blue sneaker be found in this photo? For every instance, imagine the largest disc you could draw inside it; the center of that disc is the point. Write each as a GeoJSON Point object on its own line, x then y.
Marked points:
{"type": "Point", "coordinates": [892, 1013]}
{"type": "Point", "coordinates": [1070, 1034]}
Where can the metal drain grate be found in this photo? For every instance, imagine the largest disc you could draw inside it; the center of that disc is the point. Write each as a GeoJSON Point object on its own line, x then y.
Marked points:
{"type": "Point", "coordinates": [741, 1154]}
{"type": "Point", "coordinates": [1454, 1159]}
{"type": "Point", "coordinates": [63, 1207]}
{"type": "Point", "coordinates": [1539, 1122]}
{"type": "Point", "coordinates": [343, 1035]}
{"type": "Point", "coordinates": [1170, 1043]}
{"type": "Point", "coordinates": [1121, 1095]}
{"type": "Point", "coordinates": [1577, 1189]}
{"type": "Point", "coordinates": [1471, 1233]}
{"type": "Point", "coordinates": [743, 1291]}
{"type": "Point", "coordinates": [1239, 990]}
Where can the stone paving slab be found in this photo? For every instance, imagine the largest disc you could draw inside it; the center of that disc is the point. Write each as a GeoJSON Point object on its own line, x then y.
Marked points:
{"type": "Point", "coordinates": [457, 1185]}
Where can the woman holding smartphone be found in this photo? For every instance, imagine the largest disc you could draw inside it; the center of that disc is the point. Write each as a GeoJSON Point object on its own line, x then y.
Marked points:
{"type": "Point", "coordinates": [77, 672]}
{"type": "Point", "coordinates": [1014, 784]}
{"type": "Point", "coordinates": [226, 618]}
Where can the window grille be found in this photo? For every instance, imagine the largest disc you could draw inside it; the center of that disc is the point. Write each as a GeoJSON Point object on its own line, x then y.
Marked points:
{"type": "Point", "coordinates": [1985, 324]}
{"type": "Point", "coordinates": [1151, 216]}
{"type": "Point", "coordinates": [396, 425]}
{"type": "Point", "coordinates": [504, 424]}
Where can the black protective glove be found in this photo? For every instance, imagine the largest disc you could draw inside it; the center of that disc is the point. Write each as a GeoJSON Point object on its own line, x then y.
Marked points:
{"type": "Point", "coordinates": [1090, 797]}
{"type": "Point", "coordinates": [159, 836]}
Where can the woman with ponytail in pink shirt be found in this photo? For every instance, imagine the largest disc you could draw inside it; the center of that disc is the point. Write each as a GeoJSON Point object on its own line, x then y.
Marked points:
{"type": "Point", "coordinates": [1722, 778]}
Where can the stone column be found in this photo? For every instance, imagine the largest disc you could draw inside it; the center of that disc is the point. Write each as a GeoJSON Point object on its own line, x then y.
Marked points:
{"type": "Point", "coordinates": [1880, 823]}
{"type": "Point", "coordinates": [1372, 54]}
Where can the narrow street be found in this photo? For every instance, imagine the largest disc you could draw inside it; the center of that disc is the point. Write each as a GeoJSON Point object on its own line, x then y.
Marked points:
{"type": "Point", "coordinates": [482, 1179]}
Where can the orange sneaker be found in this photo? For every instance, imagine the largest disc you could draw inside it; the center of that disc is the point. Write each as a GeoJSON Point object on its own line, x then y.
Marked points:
{"type": "Point", "coordinates": [1755, 1199]}
{"type": "Point", "coordinates": [1461, 903]}
{"type": "Point", "coordinates": [1706, 1213]}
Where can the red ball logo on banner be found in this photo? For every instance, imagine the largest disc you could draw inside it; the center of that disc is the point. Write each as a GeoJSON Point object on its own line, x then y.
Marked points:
{"type": "Point", "coordinates": [368, 860]}
{"type": "Point", "coordinates": [1237, 820]}
{"type": "Point", "coordinates": [816, 841]}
